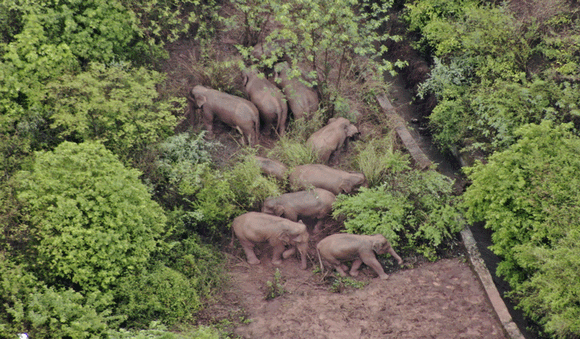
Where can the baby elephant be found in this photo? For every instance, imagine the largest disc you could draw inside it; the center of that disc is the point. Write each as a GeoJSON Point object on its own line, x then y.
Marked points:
{"type": "Point", "coordinates": [316, 203]}
{"type": "Point", "coordinates": [254, 227]}
{"type": "Point", "coordinates": [331, 137]}
{"type": "Point", "coordinates": [357, 248]}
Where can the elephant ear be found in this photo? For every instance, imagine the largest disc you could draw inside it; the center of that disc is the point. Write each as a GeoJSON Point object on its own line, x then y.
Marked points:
{"type": "Point", "coordinates": [279, 210]}
{"type": "Point", "coordinates": [377, 245]}
{"type": "Point", "coordinates": [285, 237]}
{"type": "Point", "coordinates": [245, 78]}
{"type": "Point", "coordinates": [200, 100]}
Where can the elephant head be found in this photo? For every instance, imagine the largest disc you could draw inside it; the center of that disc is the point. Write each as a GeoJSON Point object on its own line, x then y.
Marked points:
{"type": "Point", "coordinates": [349, 129]}
{"type": "Point", "coordinates": [271, 206]}
{"type": "Point", "coordinates": [198, 96]}
{"type": "Point", "coordinates": [298, 240]}
{"type": "Point", "coordinates": [352, 181]}
{"type": "Point", "coordinates": [381, 245]}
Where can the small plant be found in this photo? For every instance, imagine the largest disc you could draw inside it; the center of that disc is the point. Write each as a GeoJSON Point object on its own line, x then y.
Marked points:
{"type": "Point", "coordinates": [341, 283]}
{"type": "Point", "coordinates": [275, 287]}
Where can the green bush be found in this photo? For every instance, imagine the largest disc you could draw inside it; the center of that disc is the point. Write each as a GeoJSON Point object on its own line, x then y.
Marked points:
{"type": "Point", "coordinates": [91, 219]}
{"type": "Point", "coordinates": [414, 210]}
{"type": "Point", "coordinates": [67, 314]}
{"type": "Point", "coordinates": [377, 157]}
{"type": "Point", "coordinates": [529, 196]}
{"type": "Point", "coordinates": [117, 105]}
{"type": "Point", "coordinates": [162, 294]}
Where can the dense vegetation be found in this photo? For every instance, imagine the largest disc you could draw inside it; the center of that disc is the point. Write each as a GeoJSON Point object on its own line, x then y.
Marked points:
{"type": "Point", "coordinates": [110, 211]}
{"type": "Point", "coordinates": [506, 83]}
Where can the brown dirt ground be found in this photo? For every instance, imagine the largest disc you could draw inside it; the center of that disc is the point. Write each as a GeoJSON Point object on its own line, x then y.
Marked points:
{"type": "Point", "coordinates": [420, 300]}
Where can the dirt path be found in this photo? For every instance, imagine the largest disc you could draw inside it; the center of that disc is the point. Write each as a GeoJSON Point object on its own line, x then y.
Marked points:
{"type": "Point", "coordinates": [434, 300]}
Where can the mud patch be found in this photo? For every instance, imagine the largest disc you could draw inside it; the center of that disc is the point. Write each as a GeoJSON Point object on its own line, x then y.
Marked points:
{"type": "Point", "coordinates": [433, 300]}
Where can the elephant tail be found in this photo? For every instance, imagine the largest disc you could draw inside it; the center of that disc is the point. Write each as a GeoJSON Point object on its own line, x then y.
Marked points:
{"type": "Point", "coordinates": [320, 260]}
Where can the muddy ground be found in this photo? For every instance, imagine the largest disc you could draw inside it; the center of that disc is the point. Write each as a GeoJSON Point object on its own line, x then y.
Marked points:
{"type": "Point", "coordinates": [421, 300]}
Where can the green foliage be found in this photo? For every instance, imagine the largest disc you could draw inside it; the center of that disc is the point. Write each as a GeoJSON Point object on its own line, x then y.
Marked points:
{"type": "Point", "coordinates": [528, 195]}
{"type": "Point", "coordinates": [116, 105]}
{"type": "Point", "coordinates": [161, 293]}
{"type": "Point", "coordinates": [377, 157]}
{"type": "Point", "coordinates": [291, 149]}
{"type": "Point", "coordinates": [91, 218]}
{"type": "Point", "coordinates": [342, 283]}
{"type": "Point", "coordinates": [275, 287]}
{"type": "Point", "coordinates": [30, 307]}
{"type": "Point", "coordinates": [212, 71]}
{"type": "Point", "coordinates": [16, 284]}
{"type": "Point", "coordinates": [412, 209]}
{"type": "Point", "coordinates": [330, 37]}
{"type": "Point", "coordinates": [65, 313]}
{"type": "Point", "coordinates": [486, 75]}
{"type": "Point", "coordinates": [201, 263]}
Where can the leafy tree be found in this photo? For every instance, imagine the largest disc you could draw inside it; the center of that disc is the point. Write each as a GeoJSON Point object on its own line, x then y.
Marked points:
{"type": "Point", "coordinates": [117, 105]}
{"type": "Point", "coordinates": [91, 218]}
{"type": "Point", "coordinates": [334, 39]}
{"type": "Point", "coordinates": [529, 196]}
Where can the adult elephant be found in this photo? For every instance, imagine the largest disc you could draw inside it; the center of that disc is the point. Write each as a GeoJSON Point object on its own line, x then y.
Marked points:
{"type": "Point", "coordinates": [321, 176]}
{"type": "Point", "coordinates": [254, 227]}
{"type": "Point", "coordinates": [316, 203]}
{"type": "Point", "coordinates": [338, 248]}
{"type": "Point", "coordinates": [331, 137]}
{"type": "Point", "coordinates": [303, 100]}
{"type": "Point", "coordinates": [268, 99]}
{"type": "Point", "coordinates": [234, 111]}
{"type": "Point", "coordinates": [273, 168]}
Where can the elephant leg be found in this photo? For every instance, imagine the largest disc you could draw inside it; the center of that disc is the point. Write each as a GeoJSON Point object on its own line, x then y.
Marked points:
{"type": "Point", "coordinates": [340, 267]}
{"type": "Point", "coordinates": [289, 252]}
{"type": "Point", "coordinates": [249, 250]}
{"type": "Point", "coordinates": [277, 255]}
{"type": "Point", "coordinates": [318, 226]}
{"type": "Point", "coordinates": [373, 263]}
{"type": "Point", "coordinates": [355, 266]}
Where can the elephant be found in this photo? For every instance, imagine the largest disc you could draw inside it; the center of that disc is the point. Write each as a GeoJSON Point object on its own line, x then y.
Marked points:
{"type": "Point", "coordinates": [273, 167]}
{"type": "Point", "coordinates": [255, 227]}
{"type": "Point", "coordinates": [321, 176]}
{"type": "Point", "coordinates": [268, 99]}
{"type": "Point", "coordinates": [268, 50]}
{"type": "Point", "coordinates": [340, 247]}
{"type": "Point", "coordinates": [331, 137]}
{"type": "Point", "coordinates": [230, 109]}
{"type": "Point", "coordinates": [316, 203]}
{"type": "Point", "coordinates": [303, 100]}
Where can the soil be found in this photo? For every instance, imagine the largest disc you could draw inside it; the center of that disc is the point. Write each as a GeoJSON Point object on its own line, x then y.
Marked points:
{"type": "Point", "coordinates": [421, 299]}
{"type": "Point", "coordinates": [443, 299]}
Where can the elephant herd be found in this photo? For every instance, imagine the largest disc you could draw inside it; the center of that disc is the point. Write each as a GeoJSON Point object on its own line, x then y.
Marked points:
{"type": "Point", "coordinates": [267, 107]}
{"type": "Point", "coordinates": [279, 221]}
{"type": "Point", "coordinates": [315, 186]}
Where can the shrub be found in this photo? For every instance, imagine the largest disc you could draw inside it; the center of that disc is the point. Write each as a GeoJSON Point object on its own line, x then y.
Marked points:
{"type": "Point", "coordinates": [412, 209]}
{"type": "Point", "coordinates": [377, 157]}
{"type": "Point", "coordinates": [162, 293]}
{"type": "Point", "coordinates": [91, 218]}
{"type": "Point", "coordinates": [528, 196]}
{"type": "Point", "coordinates": [67, 314]}
{"type": "Point", "coordinates": [116, 105]}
